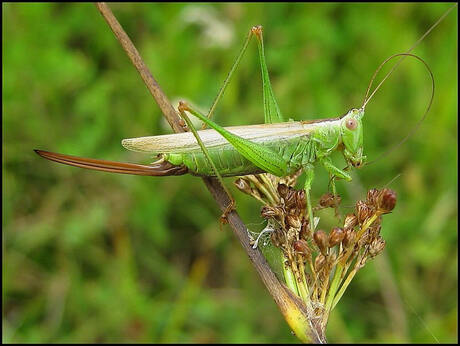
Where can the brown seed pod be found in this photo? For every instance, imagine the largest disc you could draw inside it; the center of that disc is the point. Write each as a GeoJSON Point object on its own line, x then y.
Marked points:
{"type": "Point", "coordinates": [336, 236]}
{"type": "Point", "coordinates": [376, 247]}
{"type": "Point", "coordinates": [289, 197]}
{"type": "Point", "coordinates": [386, 200]}
{"type": "Point", "coordinates": [362, 211]}
{"type": "Point", "coordinates": [268, 212]}
{"type": "Point", "coordinates": [351, 221]}
{"type": "Point", "coordinates": [365, 239]}
{"type": "Point", "coordinates": [321, 240]}
{"type": "Point", "coordinates": [293, 221]}
{"type": "Point", "coordinates": [301, 201]}
{"type": "Point", "coordinates": [301, 246]}
{"type": "Point", "coordinates": [283, 190]}
{"type": "Point", "coordinates": [348, 238]}
{"type": "Point", "coordinates": [372, 195]}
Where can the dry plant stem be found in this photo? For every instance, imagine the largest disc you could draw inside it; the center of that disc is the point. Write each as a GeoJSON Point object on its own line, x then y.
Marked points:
{"type": "Point", "coordinates": [293, 309]}
{"type": "Point", "coordinates": [154, 88]}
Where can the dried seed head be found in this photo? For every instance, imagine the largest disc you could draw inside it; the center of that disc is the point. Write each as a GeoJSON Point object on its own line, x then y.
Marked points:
{"type": "Point", "coordinates": [386, 200]}
{"type": "Point", "coordinates": [301, 246]}
{"type": "Point", "coordinates": [283, 190]}
{"type": "Point", "coordinates": [320, 261]}
{"type": "Point", "coordinates": [321, 240]}
{"type": "Point", "coordinates": [350, 221]}
{"type": "Point", "coordinates": [243, 185]}
{"type": "Point", "coordinates": [348, 238]}
{"type": "Point", "coordinates": [336, 236]}
{"type": "Point", "coordinates": [293, 221]}
{"type": "Point", "coordinates": [362, 211]}
{"type": "Point", "coordinates": [301, 201]}
{"type": "Point", "coordinates": [291, 198]}
{"type": "Point", "coordinates": [376, 247]}
{"type": "Point", "coordinates": [365, 239]}
{"type": "Point", "coordinates": [375, 229]}
{"type": "Point", "coordinates": [268, 212]}
{"type": "Point", "coordinates": [372, 195]}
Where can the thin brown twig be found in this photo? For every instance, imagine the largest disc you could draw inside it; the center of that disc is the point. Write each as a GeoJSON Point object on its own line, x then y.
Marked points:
{"type": "Point", "coordinates": [288, 303]}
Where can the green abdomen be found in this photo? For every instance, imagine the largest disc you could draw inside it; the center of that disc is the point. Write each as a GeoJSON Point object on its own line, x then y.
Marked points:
{"type": "Point", "coordinates": [229, 162]}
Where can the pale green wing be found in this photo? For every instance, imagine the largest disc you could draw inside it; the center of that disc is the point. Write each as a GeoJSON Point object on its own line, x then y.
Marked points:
{"type": "Point", "coordinates": [186, 142]}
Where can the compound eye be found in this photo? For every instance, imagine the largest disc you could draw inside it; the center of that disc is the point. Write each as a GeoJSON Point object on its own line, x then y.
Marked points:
{"type": "Point", "coordinates": [351, 124]}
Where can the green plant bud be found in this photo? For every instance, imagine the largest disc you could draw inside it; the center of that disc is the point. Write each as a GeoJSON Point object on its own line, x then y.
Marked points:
{"type": "Point", "coordinates": [336, 236]}
{"type": "Point", "coordinates": [321, 240]}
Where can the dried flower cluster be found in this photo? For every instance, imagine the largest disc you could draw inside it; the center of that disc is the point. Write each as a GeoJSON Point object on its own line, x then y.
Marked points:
{"type": "Point", "coordinates": [319, 265]}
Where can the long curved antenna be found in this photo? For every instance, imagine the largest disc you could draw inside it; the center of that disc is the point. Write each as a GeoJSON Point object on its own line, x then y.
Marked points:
{"type": "Point", "coordinates": [402, 58]}
{"type": "Point", "coordinates": [415, 128]}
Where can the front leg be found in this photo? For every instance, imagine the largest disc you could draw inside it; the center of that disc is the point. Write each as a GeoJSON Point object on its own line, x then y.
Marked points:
{"type": "Point", "coordinates": [337, 172]}
{"type": "Point", "coordinates": [334, 172]}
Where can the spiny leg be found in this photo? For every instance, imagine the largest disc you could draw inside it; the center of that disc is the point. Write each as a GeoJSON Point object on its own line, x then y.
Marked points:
{"type": "Point", "coordinates": [333, 170]}
{"type": "Point", "coordinates": [182, 108]}
{"type": "Point", "coordinates": [335, 197]}
{"type": "Point", "coordinates": [333, 177]}
{"type": "Point", "coordinates": [335, 173]}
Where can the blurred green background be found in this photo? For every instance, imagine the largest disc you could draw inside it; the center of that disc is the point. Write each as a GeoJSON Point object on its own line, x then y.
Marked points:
{"type": "Point", "coordinates": [98, 257]}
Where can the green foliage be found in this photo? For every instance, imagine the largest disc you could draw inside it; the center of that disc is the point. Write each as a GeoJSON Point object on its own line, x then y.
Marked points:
{"type": "Point", "coordinates": [95, 257]}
